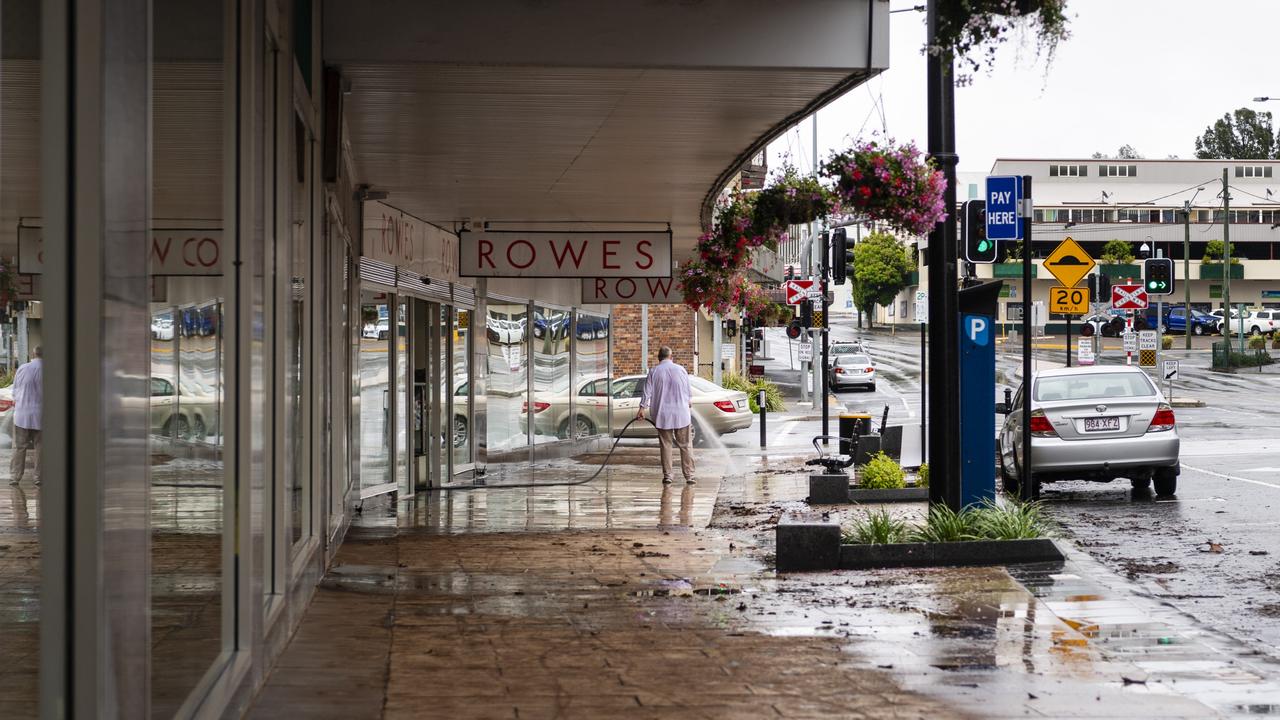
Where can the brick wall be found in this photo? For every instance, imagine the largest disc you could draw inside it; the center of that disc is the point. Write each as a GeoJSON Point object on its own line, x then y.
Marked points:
{"type": "Point", "coordinates": [668, 325]}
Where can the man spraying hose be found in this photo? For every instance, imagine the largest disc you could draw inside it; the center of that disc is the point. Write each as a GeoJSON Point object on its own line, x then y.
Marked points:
{"type": "Point", "coordinates": [667, 392]}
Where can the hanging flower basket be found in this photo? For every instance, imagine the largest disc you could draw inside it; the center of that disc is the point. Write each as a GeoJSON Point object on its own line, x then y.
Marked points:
{"type": "Point", "coordinates": [790, 200]}
{"type": "Point", "coordinates": [708, 287]}
{"type": "Point", "coordinates": [8, 280]}
{"type": "Point", "coordinates": [893, 184]}
{"type": "Point", "coordinates": [973, 30]}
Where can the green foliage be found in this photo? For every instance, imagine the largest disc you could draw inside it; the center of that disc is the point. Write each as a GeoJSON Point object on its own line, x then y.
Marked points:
{"type": "Point", "coordinates": [882, 473]}
{"type": "Point", "coordinates": [922, 476]}
{"type": "Point", "coordinates": [1009, 520]}
{"type": "Point", "coordinates": [1166, 342]}
{"type": "Point", "coordinates": [1012, 251]}
{"type": "Point", "coordinates": [947, 525]}
{"type": "Point", "coordinates": [1215, 249]}
{"type": "Point", "coordinates": [1241, 135]}
{"type": "Point", "coordinates": [1117, 252]}
{"type": "Point", "coordinates": [1257, 342]}
{"type": "Point", "coordinates": [875, 528]}
{"type": "Point", "coordinates": [882, 267]}
{"type": "Point", "coordinates": [741, 383]}
{"type": "Point", "coordinates": [6, 378]}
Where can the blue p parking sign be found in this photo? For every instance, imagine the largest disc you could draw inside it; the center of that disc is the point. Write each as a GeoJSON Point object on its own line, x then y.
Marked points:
{"type": "Point", "coordinates": [1004, 193]}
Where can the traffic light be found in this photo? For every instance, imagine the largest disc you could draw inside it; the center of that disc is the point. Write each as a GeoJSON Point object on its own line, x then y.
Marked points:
{"type": "Point", "coordinates": [794, 330]}
{"type": "Point", "coordinates": [1092, 283]}
{"type": "Point", "coordinates": [1087, 330]}
{"type": "Point", "coordinates": [806, 314]}
{"type": "Point", "coordinates": [841, 256]}
{"type": "Point", "coordinates": [1159, 276]}
{"type": "Point", "coordinates": [977, 247]}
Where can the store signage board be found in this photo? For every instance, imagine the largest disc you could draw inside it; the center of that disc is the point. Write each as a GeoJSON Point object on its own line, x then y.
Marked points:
{"type": "Point", "coordinates": [174, 251]}
{"type": "Point", "coordinates": [555, 254]}
{"type": "Point", "coordinates": [398, 238]}
{"type": "Point", "coordinates": [621, 291]}
{"type": "Point", "coordinates": [1069, 263]}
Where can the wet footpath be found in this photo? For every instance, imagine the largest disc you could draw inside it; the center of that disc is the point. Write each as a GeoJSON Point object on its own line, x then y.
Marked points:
{"type": "Point", "coordinates": [622, 598]}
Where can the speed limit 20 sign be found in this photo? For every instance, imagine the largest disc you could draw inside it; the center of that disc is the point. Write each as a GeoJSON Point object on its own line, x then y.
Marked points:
{"type": "Point", "coordinates": [1068, 300]}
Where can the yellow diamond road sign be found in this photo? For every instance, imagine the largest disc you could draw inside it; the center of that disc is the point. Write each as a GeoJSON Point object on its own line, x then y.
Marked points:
{"type": "Point", "coordinates": [1069, 262]}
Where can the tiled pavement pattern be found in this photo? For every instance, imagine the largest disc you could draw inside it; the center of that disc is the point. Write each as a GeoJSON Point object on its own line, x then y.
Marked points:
{"type": "Point", "coordinates": [19, 600]}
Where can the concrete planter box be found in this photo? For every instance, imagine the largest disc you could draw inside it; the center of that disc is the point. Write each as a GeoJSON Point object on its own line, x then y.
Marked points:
{"type": "Point", "coordinates": [810, 543]}
{"type": "Point", "coordinates": [1011, 270]}
{"type": "Point", "coordinates": [1118, 272]}
{"type": "Point", "coordinates": [907, 494]}
{"type": "Point", "coordinates": [1213, 271]}
{"type": "Point", "coordinates": [974, 552]}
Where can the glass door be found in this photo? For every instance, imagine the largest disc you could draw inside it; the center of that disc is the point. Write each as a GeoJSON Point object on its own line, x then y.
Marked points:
{"type": "Point", "coordinates": [460, 397]}
{"type": "Point", "coordinates": [375, 373]}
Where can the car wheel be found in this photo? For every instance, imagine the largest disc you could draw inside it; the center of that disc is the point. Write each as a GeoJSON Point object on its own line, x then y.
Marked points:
{"type": "Point", "coordinates": [582, 427]}
{"type": "Point", "coordinates": [872, 387]}
{"type": "Point", "coordinates": [178, 427]}
{"type": "Point", "coordinates": [201, 432]}
{"type": "Point", "coordinates": [1198, 330]}
{"type": "Point", "coordinates": [697, 437]}
{"type": "Point", "coordinates": [1010, 483]}
{"type": "Point", "coordinates": [1255, 331]}
{"type": "Point", "coordinates": [1166, 481]}
{"type": "Point", "coordinates": [459, 432]}
{"type": "Point", "coordinates": [1140, 483]}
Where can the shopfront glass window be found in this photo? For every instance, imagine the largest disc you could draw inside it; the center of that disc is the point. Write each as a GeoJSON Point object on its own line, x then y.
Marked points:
{"type": "Point", "coordinates": [374, 362]}
{"type": "Point", "coordinates": [553, 418]}
{"type": "Point", "coordinates": [507, 387]}
{"type": "Point", "coordinates": [461, 374]}
{"type": "Point", "coordinates": [21, 332]}
{"type": "Point", "coordinates": [403, 383]}
{"type": "Point", "coordinates": [186, 383]}
{"type": "Point", "coordinates": [591, 354]}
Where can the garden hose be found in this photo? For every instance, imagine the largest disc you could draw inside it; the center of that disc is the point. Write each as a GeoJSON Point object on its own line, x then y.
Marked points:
{"type": "Point", "coordinates": [584, 481]}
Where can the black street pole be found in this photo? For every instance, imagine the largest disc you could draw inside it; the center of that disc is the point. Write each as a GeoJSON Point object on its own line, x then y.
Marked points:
{"type": "Point", "coordinates": [1027, 489]}
{"type": "Point", "coordinates": [924, 397]}
{"type": "Point", "coordinates": [826, 332]}
{"type": "Point", "coordinates": [944, 342]}
{"type": "Point", "coordinates": [1068, 341]}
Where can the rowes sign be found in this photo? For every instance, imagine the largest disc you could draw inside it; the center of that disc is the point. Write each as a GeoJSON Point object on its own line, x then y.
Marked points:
{"type": "Point", "coordinates": [554, 254]}
{"type": "Point", "coordinates": [174, 251]}
{"type": "Point", "coordinates": [631, 290]}
{"type": "Point", "coordinates": [398, 238]}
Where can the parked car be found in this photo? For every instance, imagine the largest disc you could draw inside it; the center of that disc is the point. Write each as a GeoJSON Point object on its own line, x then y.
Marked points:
{"type": "Point", "coordinates": [1175, 320]}
{"type": "Point", "coordinates": [721, 410]}
{"type": "Point", "coordinates": [852, 371]}
{"type": "Point", "coordinates": [161, 327]}
{"type": "Point", "coordinates": [1255, 322]}
{"type": "Point", "coordinates": [1096, 423]}
{"type": "Point", "coordinates": [843, 347]}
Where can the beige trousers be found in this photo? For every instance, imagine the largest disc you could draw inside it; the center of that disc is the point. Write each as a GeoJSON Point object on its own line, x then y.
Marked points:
{"type": "Point", "coordinates": [23, 440]}
{"type": "Point", "coordinates": [680, 438]}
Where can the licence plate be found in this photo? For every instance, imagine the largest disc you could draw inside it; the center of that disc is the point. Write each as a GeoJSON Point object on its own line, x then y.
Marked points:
{"type": "Point", "coordinates": [1103, 423]}
{"type": "Point", "coordinates": [742, 404]}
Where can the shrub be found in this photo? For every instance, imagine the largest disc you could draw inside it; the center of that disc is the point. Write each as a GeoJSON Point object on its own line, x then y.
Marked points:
{"type": "Point", "coordinates": [741, 383]}
{"type": "Point", "coordinates": [1257, 342]}
{"type": "Point", "coordinates": [947, 525]}
{"type": "Point", "coordinates": [1166, 342]}
{"type": "Point", "coordinates": [922, 476]}
{"type": "Point", "coordinates": [736, 381]}
{"type": "Point", "coordinates": [1117, 252]}
{"type": "Point", "coordinates": [882, 473]}
{"type": "Point", "coordinates": [6, 378]}
{"type": "Point", "coordinates": [1275, 345]}
{"type": "Point", "coordinates": [1011, 520]}
{"type": "Point", "coordinates": [875, 528]}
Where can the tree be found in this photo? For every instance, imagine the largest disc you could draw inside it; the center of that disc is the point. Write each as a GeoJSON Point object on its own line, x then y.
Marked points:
{"type": "Point", "coordinates": [1126, 152]}
{"type": "Point", "coordinates": [1215, 249]}
{"type": "Point", "coordinates": [1242, 135]}
{"type": "Point", "coordinates": [881, 268]}
{"type": "Point", "coordinates": [1117, 252]}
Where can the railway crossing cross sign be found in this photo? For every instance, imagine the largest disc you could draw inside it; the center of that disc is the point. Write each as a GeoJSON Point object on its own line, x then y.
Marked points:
{"type": "Point", "coordinates": [1128, 297]}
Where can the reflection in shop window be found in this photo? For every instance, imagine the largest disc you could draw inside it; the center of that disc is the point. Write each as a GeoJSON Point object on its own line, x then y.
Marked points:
{"type": "Point", "coordinates": [507, 386]}
{"type": "Point", "coordinates": [591, 385]}
{"type": "Point", "coordinates": [551, 412]}
{"type": "Point", "coordinates": [461, 420]}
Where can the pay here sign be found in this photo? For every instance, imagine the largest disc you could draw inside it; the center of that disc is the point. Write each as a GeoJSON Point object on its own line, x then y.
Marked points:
{"type": "Point", "coordinates": [565, 254]}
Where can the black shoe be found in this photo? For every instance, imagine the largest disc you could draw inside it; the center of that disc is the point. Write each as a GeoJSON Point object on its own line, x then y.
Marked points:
{"type": "Point", "coordinates": [665, 481]}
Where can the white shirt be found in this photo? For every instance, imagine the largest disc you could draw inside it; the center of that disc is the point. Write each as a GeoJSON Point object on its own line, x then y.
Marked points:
{"type": "Point", "coordinates": [28, 395]}
{"type": "Point", "coordinates": [667, 392]}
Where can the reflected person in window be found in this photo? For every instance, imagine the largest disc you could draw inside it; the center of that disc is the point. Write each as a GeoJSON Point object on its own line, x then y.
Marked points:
{"type": "Point", "coordinates": [27, 402]}
{"type": "Point", "coordinates": [667, 394]}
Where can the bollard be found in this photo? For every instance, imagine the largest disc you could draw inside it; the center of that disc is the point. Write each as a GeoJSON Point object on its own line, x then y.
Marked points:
{"type": "Point", "coordinates": [764, 412]}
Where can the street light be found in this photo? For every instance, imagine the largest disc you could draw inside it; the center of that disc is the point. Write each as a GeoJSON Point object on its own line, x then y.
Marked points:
{"type": "Point", "coordinates": [1144, 250]}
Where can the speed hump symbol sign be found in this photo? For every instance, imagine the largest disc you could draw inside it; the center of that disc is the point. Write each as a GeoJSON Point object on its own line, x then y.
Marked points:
{"type": "Point", "coordinates": [1069, 263]}
{"type": "Point", "coordinates": [1068, 300]}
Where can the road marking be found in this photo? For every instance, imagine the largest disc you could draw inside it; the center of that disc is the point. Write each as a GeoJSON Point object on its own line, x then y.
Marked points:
{"type": "Point", "coordinates": [1262, 469]}
{"type": "Point", "coordinates": [1231, 477]}
{"type": "Point", "coordinates": [786, 429]}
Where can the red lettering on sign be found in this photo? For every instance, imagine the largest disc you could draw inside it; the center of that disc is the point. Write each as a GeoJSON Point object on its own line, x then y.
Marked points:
{"type": "Point", "coordinates": [160, 254]}
{"type": "Point", "coordinates": [533, 254]}
{"type": "Point", "coordinates": [629, 293]}
{"type": "Point", "coordinates": [640, 249]}
{"type": "Point", "coordinates": [608, 254]}
{"type": "Point", "coordinates": [568, 250]}
{"type": "Point", "coordinates": [486, 253]}
{"type": "Point", "coordinates": [599, 288]}
{"type": "Point", "coordinates": [206, 252]}
{"type": "Point", "coordinates": [659, 287]}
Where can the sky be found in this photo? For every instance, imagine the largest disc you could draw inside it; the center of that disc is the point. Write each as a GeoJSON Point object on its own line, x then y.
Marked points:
{"type": "Point", "coordinates": [1149, 73]}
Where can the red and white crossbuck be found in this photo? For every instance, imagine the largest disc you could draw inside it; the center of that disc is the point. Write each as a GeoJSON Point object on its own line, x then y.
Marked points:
{"type": "Point", "coordinates": [1129, 297]}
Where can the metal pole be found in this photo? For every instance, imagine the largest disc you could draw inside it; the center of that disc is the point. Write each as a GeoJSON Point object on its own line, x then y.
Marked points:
{"type": "Point", "coordinates": [1186, 269]}
{"type": "Point", "coordinates": [944, 392]}
{"type": "Point", "coordinates": [1027, 489]}
{"type": "Point", "coordinates": [644, 339]}
{"type": "Point", "coordinates": [1226, 261]}
{"type": "Point", "coordinates": [826, 326]}
{"type": "Point", "coordinates": [1068, 341]}
{"type": "Point", "coordinates": [764, 418]}
{"type": "Point", "coordinates": [924, 396]}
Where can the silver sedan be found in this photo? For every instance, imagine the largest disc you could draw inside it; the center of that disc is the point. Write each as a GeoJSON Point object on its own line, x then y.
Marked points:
{"type": "Point", "coordinates": [853, 371]}
{"type": "Point", "coordinates": [1093, 423]}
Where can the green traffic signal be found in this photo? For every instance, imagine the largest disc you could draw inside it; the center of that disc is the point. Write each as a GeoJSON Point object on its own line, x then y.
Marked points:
{"type": "Point", "coordinates": [984, 245]}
